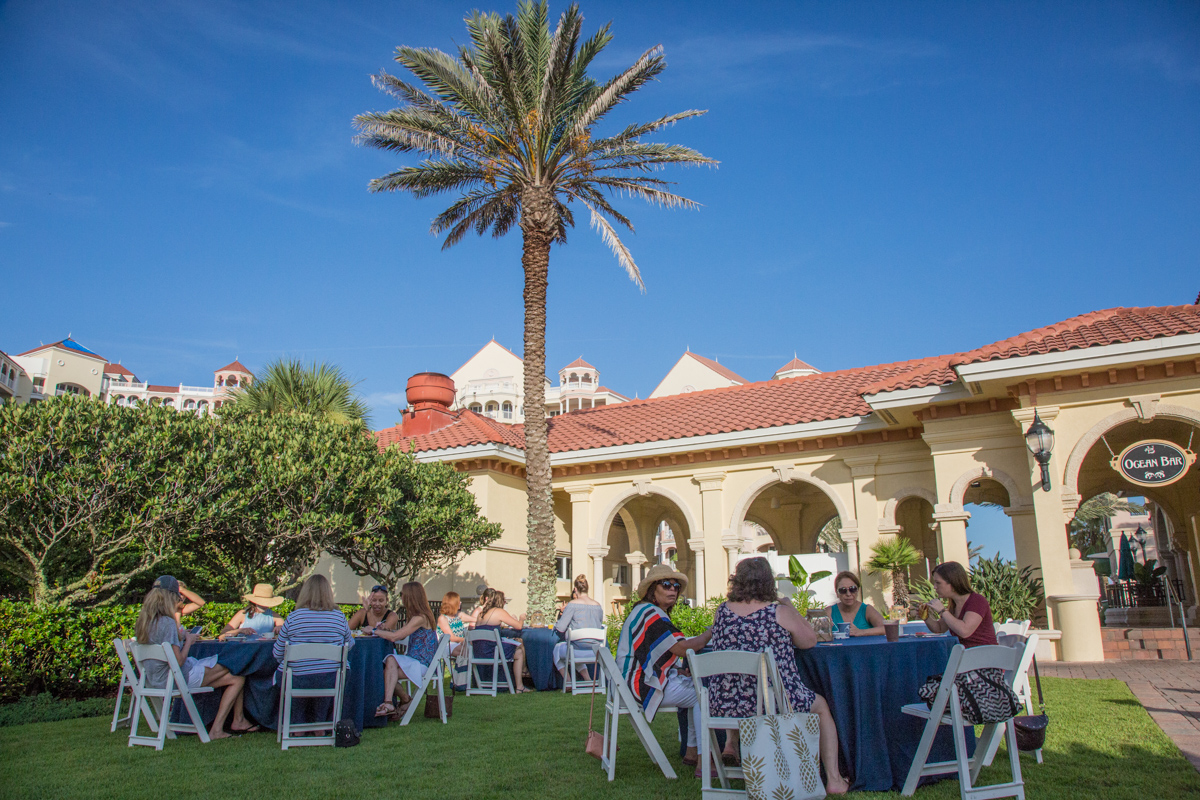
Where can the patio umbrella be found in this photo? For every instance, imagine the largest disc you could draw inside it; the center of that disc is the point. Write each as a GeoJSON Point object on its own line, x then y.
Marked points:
{"type": "Point", "coordinates": [1125, 571]}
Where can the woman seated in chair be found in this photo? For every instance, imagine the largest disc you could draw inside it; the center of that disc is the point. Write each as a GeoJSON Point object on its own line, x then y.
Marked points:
{"type": "Point", "coordinates": [863, 618]}
{"type": "Point", "coordinates": [156, 625]}
{"type": "Point", "coordinates": [374, 614]}
{"type": "Point", "coordinates": [453, 622]}
{"type": "Point", "coordinates": [753, 620]}
{"type": "Point", "coordinates": [958, 608]}
{"type": "Point", "coordinates": [315, 620]}
{"type": "Point", "coordinates": [421, 632]}
{"type": "Point", "coordinates": [256, 619]}
{"type": "Point", "coordinates": [492, 616]}
{"type": "Point", "coordinates": [650, 649]}
{"type": "Point", "coordinates": [581, 612]}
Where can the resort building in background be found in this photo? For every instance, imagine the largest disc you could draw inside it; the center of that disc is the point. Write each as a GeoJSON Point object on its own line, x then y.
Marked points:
{"type": "Point", "coordinates": [904, 448]}
{"type": "Point", "coordinates": [68, 368]}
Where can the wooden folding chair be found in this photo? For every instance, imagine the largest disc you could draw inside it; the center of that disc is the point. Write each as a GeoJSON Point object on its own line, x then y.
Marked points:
{"type": "Point", "coordinates": [595, 638]}
{"type": "Point", "coordinates": [339, 655]}
{"type": "Point", "coordinates": [621, 702]}
{"type": "Point", "coordinates": [475, 683]}
{"type": "Point", "coordinates": [152, 700]}
{"type": "Point", "coordinates": [435, 673]}
{"type": "Point", "coordinates": [947, 711]}
{"type": "Point", "coordinates": [725, 662]}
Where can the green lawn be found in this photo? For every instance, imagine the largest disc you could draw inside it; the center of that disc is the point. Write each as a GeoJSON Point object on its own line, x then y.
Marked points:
{"type": "Point", "coordinates": [1101, 744]}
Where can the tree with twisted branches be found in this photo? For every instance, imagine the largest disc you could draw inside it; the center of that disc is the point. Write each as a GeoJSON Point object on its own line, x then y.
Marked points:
{"type": "Point", "coordinates": [508, 125]}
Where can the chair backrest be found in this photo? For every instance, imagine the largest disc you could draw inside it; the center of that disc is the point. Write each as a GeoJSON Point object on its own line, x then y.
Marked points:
{"type": "Point", "coordinates": [128, 674]}
{"type": "Point", "coordinates": [314, 650]}
{"type": "Point", "coordinates": [1028, 650]}
{"type": "Point", "coordinates": [985, 656]}
{"type": "Point", "coordinates": [1019, 627]}
{"type": "Point", "coordinates": [735, 662]}
{"type": "Point", "coordinates": [491, 636]}
{"type": "Point", "coordinates": [158, 652]}
{"type": "Point", "coordinates": [591, 634]}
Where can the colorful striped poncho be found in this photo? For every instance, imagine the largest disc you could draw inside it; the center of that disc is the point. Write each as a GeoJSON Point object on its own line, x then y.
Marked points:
{"type": "Point", "coordinates": [644, 654]}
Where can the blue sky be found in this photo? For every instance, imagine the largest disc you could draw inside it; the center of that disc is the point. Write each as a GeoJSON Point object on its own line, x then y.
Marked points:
{"type": "Point", "coordinates": [178, 186]}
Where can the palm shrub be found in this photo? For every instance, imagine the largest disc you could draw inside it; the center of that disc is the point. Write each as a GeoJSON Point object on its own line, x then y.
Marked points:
{"type": "Point", "coordinates": [1012, 592]}
{"type": "Point", "coordinates": [290, 386]}
{"type": "Point", "coordinates": [893, 556]}
{"type": "Point", "coordinates": [509, 126]}
{"type": "Point", "coordinates": [803, 597]}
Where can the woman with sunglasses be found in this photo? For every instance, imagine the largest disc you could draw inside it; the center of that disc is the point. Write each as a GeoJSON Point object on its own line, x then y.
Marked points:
{"type": "Point", "coordinates": [650, 649]}
{"type": "Point", "coordinates": [863, 618]}
{"type": "Point", "coordinates": [374, 614]}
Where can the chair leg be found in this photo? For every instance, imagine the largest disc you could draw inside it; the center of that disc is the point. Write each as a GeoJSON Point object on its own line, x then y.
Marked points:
{"type": "Point", "coordinates": [508, 676]}
{"type": "Point", "coordinates": [966, 775]}
{"type": "Point", "coordinates": [1014, 759]}
{"type": "Point", "coordinates": [920, 757]}
{"type": "Point", "coordinates": [116, 720]}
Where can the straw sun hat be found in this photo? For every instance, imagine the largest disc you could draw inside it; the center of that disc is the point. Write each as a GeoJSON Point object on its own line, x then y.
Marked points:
{"type": "Point", "coordinates": [661, 572]}
{"type": "Point", "coordinates": [263, 596]}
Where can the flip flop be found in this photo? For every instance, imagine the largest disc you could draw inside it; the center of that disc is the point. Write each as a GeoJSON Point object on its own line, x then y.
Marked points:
{"type": "Point", "coordinates": [251, 729]}
{"type": "Point", "coordinates": [384, 709]}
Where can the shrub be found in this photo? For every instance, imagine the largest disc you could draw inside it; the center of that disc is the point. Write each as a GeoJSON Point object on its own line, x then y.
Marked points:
{"type": "Point", "coordinates": [44, 708]}
{"type": "Point", "coordinates": [690, 621]}
{"type": "Point", "coordinates": [1011, 591]}
{"type": "Point", "coordinates": [68, 651]}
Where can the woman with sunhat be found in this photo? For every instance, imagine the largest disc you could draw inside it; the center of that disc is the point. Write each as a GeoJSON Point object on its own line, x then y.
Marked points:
{"type": "Point", "coordinates": [256, 618]}
{"type": "Point", "coordinates": [650, 650]}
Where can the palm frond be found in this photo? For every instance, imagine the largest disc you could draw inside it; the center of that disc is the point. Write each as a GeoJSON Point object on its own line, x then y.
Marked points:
{"type": "Point", "coordinates": [624, 257]}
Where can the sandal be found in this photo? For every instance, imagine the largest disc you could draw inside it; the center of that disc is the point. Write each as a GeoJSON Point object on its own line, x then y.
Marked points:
{"type": "Point", "coordinates": [384, 709]}
{"type": "Point", "coordinates": [691, 762]}
{"type": "Point", "coordinates": [251, 729]}
{"type": "Point", "coordinates": [731, 759]}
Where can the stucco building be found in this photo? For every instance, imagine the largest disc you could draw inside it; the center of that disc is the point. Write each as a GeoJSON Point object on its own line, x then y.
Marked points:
{"type": "Point", "coordinates": [901, 448]}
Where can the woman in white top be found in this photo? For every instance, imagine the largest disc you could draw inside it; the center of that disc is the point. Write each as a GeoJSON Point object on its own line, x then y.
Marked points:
{"type": "Point", "coordinates": [581, 612]}
{"type": "Point", "coordinates": [256, 618]}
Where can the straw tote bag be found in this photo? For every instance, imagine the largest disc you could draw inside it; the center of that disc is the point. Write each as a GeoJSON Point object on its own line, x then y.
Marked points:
{"type": "Point", "coordinates": [780, 751]}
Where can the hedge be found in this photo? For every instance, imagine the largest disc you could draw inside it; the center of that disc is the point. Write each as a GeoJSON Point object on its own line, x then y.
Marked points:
{"type": "Point", "coordinates": [68, 652]}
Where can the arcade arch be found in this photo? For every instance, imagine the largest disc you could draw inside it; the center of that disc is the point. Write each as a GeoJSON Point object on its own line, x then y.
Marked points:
{"type": "Point", "coordinates": [792, 509]}
{"type": "Point", "coordinates": [623, 543]}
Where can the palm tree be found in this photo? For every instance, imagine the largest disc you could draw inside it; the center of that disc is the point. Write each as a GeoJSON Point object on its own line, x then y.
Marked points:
{"type": "Point", "coordinates": [507, 126]}
{"type": "Point", "coordinates": [1089, 530]}
{"type": "Point", "coordinates": [894, 556]}
{"type": "Point", "coordinates": [290, 386]}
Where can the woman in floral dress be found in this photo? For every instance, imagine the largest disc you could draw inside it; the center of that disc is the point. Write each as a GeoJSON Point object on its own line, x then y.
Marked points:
{"type": "Point", "coordinates": [754, 620]}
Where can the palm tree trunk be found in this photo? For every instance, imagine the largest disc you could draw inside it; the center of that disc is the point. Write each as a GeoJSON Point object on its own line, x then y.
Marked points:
{"type": "Point", "coordinates": [899, 588]}
{"type": "Point", "coordinates": [535, 260]}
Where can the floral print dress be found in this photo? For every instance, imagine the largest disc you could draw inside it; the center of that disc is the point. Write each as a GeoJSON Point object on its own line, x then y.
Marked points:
{"type": "Point", "coordinates": [734, 695]}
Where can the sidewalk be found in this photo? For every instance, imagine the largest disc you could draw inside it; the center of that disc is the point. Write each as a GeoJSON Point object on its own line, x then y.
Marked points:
{"type": "Point", "coordinates": [1169, 690]}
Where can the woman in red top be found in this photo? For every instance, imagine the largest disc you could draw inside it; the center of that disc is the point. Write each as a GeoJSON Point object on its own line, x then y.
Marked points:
{"type": "Point", "coordinates": [964, 613]}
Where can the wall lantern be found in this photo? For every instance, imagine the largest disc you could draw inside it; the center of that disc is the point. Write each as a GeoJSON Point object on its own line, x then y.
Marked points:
{"type": "Point", "coordinates": [1140, 535]}
{"type": "Point", "coordinates": [1040, 441]}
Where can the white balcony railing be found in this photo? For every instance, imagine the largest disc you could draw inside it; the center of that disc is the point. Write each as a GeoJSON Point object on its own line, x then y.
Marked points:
{"type": "Point", "coordinates": [207, 391]}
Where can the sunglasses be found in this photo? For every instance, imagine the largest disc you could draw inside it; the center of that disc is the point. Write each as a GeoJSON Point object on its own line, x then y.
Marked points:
{"type": "Point", "coordinates": [676, 585]}
{"type": "Point", "coordinates": [848, 590]}
{"type": "Point", "coordinates": [378, 588]}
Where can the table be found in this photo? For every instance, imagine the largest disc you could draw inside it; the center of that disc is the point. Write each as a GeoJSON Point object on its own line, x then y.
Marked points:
{"type": "Point", "coordinates": [866, 680]}
{"type": "Point", "coordinates": [539, 657]}
{"type": "Point", "coordinates": [363, 692]}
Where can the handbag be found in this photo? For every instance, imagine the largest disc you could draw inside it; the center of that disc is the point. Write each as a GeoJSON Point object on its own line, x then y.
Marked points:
{"type": "Point", "coordinates": [345, 734]}
{"type": "Point", "coordinates": [1031, 728]}
{"type": "Point", "coordinates": [594, 746]}
{"type": "Point", "coordinates": [780, 752]}
{"type": "Point", "coordinates": [983, 696]}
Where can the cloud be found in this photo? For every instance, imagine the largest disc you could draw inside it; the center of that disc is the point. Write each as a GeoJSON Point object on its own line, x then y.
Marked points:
{"type": "Point", "coordinates": [4, 225]}
{"type": "Point", "coordinates": [1163, 58]}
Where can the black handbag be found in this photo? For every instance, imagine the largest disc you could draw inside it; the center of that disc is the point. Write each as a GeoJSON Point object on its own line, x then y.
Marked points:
{"type": "Point", "coordinates": [345, 734]}
{"type": "Point", "coordinates": [1031, 728]}
{"type": "Point", "coordinates": [983, 696]}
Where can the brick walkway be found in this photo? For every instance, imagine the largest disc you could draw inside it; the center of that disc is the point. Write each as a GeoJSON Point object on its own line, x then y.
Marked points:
{"type": "Point", "coordinates": [1169, 690]}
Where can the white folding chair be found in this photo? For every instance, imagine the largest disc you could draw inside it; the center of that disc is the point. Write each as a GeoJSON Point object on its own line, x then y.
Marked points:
{"type": "Point", "coordinates": [151, 700]}
{"type": "Point", "coordinates": [1028, 647]}
{"type": "Point", "coordinates": [946, 711]}
{"type": "Point", "coordinates": [1020, 627]}
{"type": "Point", "coordinates": [475, 683]}
{"type": "Point", "coordinates": [435, 673]}
{"type": "Point", "coordinates": [128, 681]}
{"type": "Point", "coordinates": [286, 729]}
{"type": "Point", "coordinates": [726, 662]}
{"type": "Point", "coordinates": [621, 702]}
{"type": "Point", "coordinates": [594, 639]}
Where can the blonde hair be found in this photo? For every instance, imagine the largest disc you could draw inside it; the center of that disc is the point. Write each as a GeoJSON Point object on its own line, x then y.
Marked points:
{"type": "Point", "coordinates": [451, 603]}
{"type": "Point", "coordinates": [158, 603]}
{"type": "Point", "coordinates": [316, 595]}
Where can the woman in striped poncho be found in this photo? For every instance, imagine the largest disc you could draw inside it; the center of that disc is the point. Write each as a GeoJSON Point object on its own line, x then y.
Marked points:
{"type": "Point", "coordinates": [650, 649]}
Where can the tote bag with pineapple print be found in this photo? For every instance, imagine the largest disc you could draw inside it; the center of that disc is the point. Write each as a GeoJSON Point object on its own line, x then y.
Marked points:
{"type": "Point", "coordinates": [779, 755]}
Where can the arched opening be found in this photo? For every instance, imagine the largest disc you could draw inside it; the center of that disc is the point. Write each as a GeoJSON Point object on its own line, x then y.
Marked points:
{"type": "Point", "coordinates": [231, 382]}
{"type": "Point", "coordinates": [989, 530]}
{"type": "Point", "coordinates": [169, 402]}
{"type": "Point", "coordinates": [220, 381]}
{"type": "Point", "coordinates": [640, 531]}
{"type": "Point", "coordinates": [189, 404]}
{"type": "Point", "coordinates": [491, 409]}
{"type": "Point", "coordinates": [62, 389]}
{"type": "Point", "coordinates": [914, 517]}
{"type": "Point", "coordinates": [476, 407]}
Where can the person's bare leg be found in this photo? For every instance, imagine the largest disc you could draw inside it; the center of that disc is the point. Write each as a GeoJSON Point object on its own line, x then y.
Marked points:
{"type": "Point", "coordinates": [219, 677]}
{"type": "Point", "coordinates": [835, 783]}
{"type": "Point", "coordinates": [519, 670]}
{"type": "Point", "coordinates": [731, 743]}
{"type": "Point", "coordinates": [240, 724]}
{"type": "Point", "coordinates": [391, 674]}
{"type": "Point", "coordinates": [405, 699]}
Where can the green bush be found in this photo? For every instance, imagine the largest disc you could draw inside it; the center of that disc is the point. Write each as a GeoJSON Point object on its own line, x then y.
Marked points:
{"type": "Point", "coordinates": [68, 652]}
{"type": "Point", "coordinates": [44, 708]}
{"type": "Point", "coordinates": [690, 621]}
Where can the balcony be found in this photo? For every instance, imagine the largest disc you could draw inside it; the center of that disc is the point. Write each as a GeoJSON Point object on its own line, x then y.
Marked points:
{"type": "Point", "coordinates": [206, 391]}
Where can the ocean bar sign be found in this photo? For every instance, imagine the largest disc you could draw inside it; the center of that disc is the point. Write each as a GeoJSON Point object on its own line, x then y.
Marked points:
{"type": "Point", "coordinates": [1153, 462]}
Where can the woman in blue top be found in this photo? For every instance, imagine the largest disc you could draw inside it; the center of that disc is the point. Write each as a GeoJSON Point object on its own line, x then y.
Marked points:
{"type": "Point", "coordinates": [256, 618]}
{"type": "Point", "coordinates": [421, 631]}
{"type": "Point", "coordinates": [863, 618]}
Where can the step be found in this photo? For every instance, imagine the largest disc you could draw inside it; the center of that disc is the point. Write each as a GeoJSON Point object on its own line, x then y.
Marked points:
{"type": "Point", "coordinates": [1145, 644]}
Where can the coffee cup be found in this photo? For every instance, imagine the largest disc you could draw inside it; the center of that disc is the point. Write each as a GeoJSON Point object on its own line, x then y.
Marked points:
{"type": "Point", "coordinates": [892, 631]}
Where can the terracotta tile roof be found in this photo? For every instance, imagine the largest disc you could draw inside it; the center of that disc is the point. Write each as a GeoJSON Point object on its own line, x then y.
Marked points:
{"type": "Point", "coordinates": [234, 366]}
{"type": "Point", "coordinates": [154, 387]}
{"type": "Point", "coordinates": [716, 367]}
{"type": "Point", "coordinates": [117, 369]}
{"type": "Point", "coordinates": [578, 363]}
{"type": "Point", "coordinates": [795, 363]}
{"type": "Point", "coordinates": [467, 429]}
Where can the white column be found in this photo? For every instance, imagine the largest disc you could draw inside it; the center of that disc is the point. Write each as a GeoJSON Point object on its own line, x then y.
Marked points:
{"type": "Point", "coordinates": [598, 552]}
{"type": "Point", "coordinates": [697, 545]}
{"type": "Point", "coordinates": [581, 526]}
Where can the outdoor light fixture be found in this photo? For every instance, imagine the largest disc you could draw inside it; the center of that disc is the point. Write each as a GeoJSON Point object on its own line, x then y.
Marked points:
{"type": "Point", "coordinates": [1040, 441]}
{"type": "Point", "coordinates": [1140, 535]}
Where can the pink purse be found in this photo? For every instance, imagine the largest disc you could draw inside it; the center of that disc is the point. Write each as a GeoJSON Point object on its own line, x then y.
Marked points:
{"type": "Point", "coordinates": [595, 742]}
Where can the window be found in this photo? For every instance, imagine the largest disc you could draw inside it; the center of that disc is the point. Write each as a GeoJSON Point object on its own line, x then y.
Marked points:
{"type": "Point", "coordinates": [508, 411]}
{"type": "Point", "coordinates": [70, 388]}
{"type": "Point", "coordinates": [564, 568]}
{"type": "Point", "coordinates": [492, 408]}
{"type": "Point", "coordinates": [478, 409]}
{"type": "Point", "coordinates": [621, 575]}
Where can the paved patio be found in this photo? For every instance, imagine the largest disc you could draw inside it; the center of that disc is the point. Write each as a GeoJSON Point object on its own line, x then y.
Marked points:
{"type": "Point", "coordinates": [1169, 690]}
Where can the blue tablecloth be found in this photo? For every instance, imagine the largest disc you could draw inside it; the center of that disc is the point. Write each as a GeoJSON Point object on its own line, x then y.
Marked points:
{"type": "Point", "coordinates": [364, 681]}
{"type": "Point", "coordinates": [539, 657]}
{"type": "Point", "coordinates": [866, 680]}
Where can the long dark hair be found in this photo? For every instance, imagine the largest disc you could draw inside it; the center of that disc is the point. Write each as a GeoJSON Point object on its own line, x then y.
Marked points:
{"type": "Point", "coordinates": [753, 581]}
{"type": "Point", "coordinates": [412, 595]}
{"type": "Point", "coordinates": [953, 573]}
